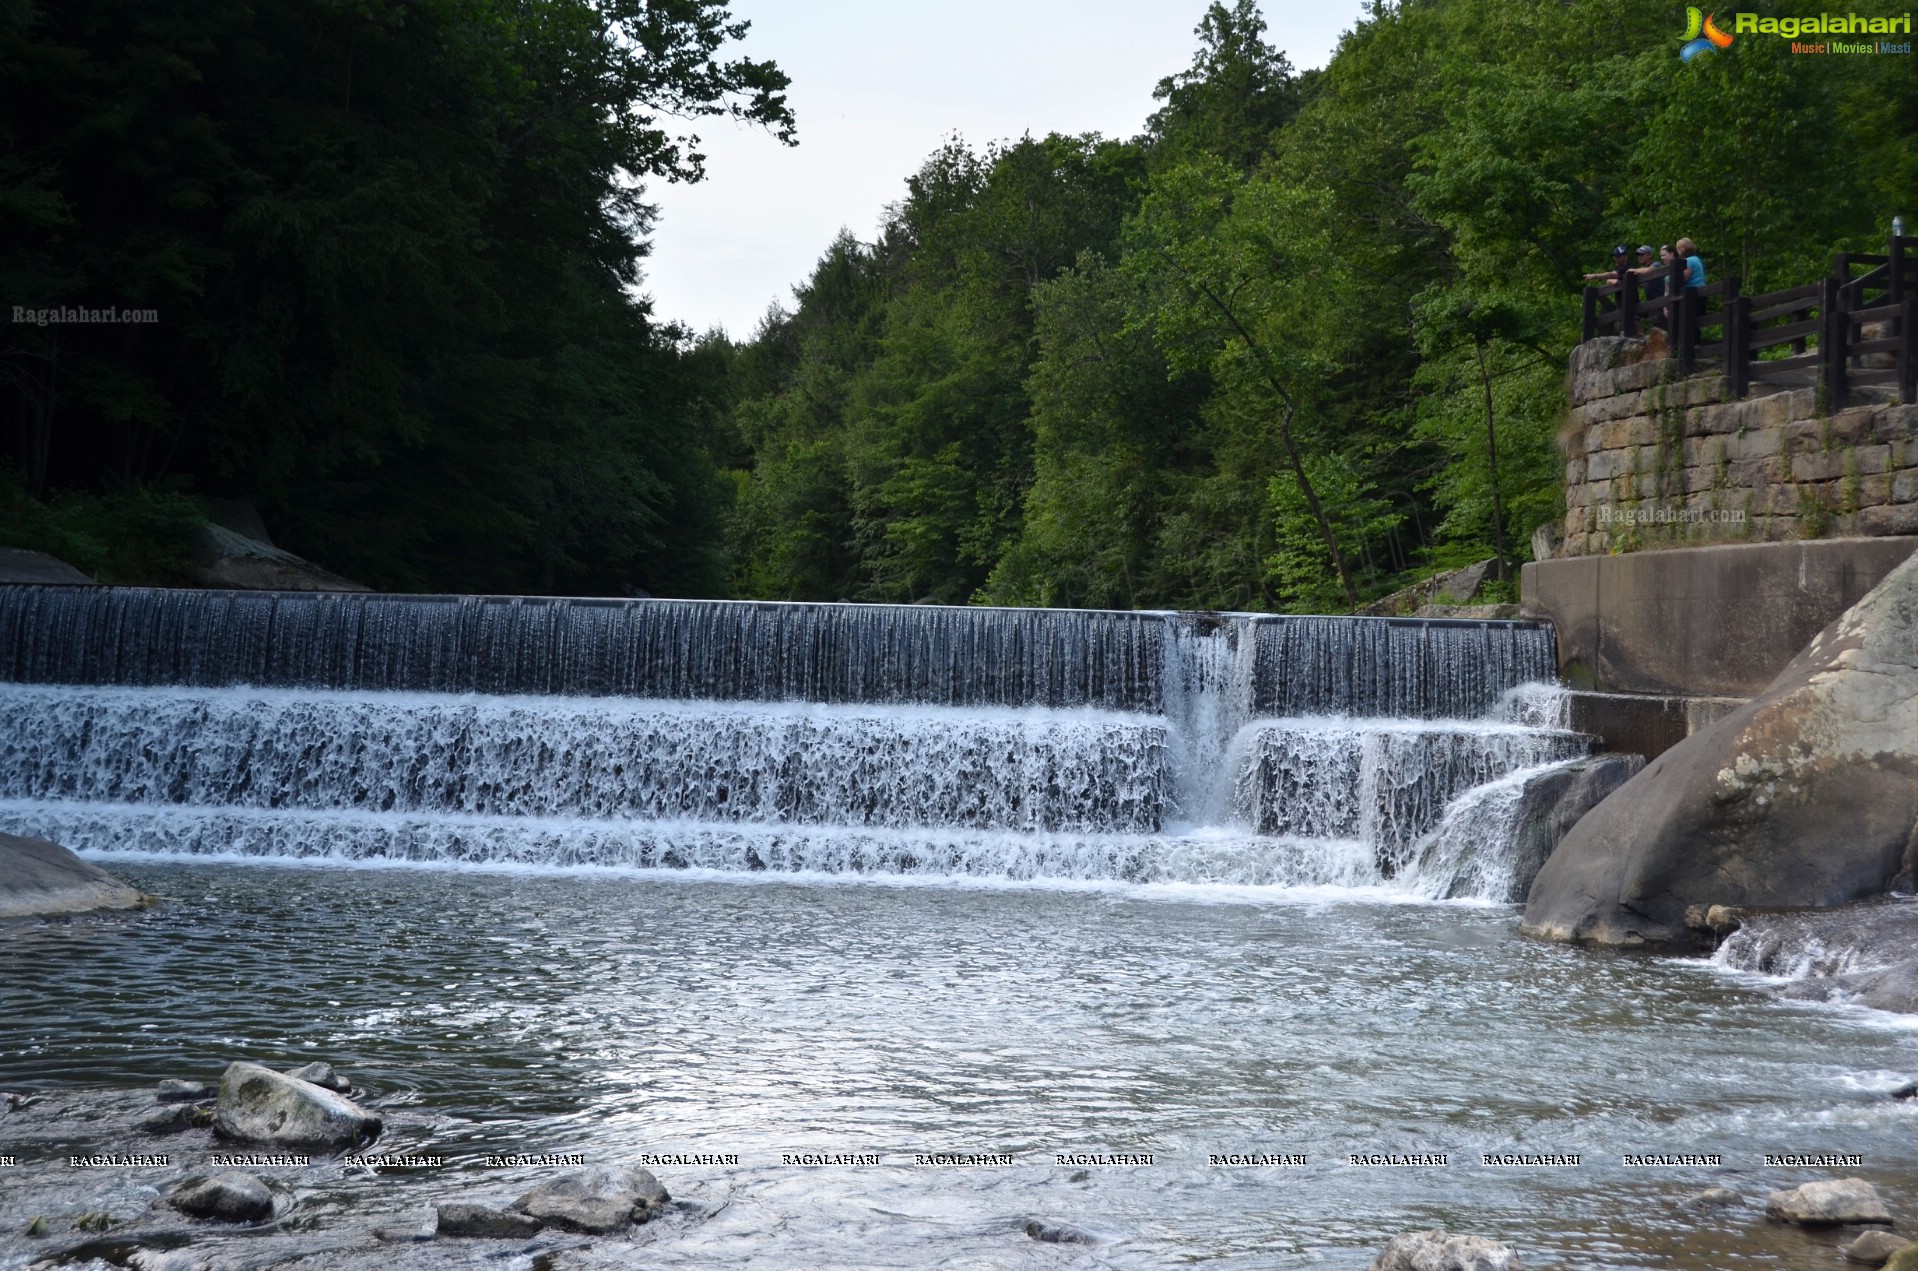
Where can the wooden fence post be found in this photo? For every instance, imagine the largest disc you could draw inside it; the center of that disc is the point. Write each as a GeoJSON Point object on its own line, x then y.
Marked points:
{"type": "Point", "coordinates": [1684, 325]}
{"type": "Point", "coordinates": [1832, 342]}
{"type": "Point", "coordinates": [1738, 310]}
{"type": "Point", "coordinates": [1907, 355]}
{"type": "Point", "coordinates": [1591, 313]}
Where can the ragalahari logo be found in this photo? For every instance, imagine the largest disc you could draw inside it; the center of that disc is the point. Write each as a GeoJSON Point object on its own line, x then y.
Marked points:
{"type": "Point", "coordinates": [1701, 36]}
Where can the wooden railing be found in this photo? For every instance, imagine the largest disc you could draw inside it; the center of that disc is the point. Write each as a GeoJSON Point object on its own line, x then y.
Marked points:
{"type": "Point", "coordinates": [1832, 325]}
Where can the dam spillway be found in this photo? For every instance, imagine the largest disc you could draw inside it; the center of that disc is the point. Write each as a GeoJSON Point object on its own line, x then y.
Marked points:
{"type": "Point", "coordinates": [735, 736]}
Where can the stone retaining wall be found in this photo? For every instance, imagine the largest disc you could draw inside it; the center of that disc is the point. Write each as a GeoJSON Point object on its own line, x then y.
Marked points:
{"type": "Point", "coordinates": [1657, 460]}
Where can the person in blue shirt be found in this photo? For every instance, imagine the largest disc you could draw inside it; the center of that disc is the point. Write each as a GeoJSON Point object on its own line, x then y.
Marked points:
{"type": "Point", "coordinates": [1694, 264]}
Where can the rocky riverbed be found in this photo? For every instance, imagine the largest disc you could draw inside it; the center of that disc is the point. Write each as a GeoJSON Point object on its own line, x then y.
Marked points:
{"type": "Point", "coordinates": [162, 1180]}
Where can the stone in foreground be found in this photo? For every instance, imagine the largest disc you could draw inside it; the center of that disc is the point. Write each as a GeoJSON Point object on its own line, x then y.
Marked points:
{"type": "Point", "coordinates": [230, 1196]}
{"type": "Point", "coordinates": [1828, 1203]}
{"type": "Point", "coordinates": [1437, 1251]}
{"type": "Point", "coordinates": [258, 1105]}
{"type": "Point", "coordinates": [1806, 796]}
{"type": "Point", "coordinates": [38, 878]}
{"type": "Point", "coordinates": [465, 1219]}
{"type": "Point", "coordinates": [1874, 1248]}
{"type": "Point", "coordinates": [604, 1198]}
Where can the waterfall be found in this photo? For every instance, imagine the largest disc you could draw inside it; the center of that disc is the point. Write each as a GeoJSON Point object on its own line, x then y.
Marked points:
{"type": "Point", "coordinates": [908, 740]}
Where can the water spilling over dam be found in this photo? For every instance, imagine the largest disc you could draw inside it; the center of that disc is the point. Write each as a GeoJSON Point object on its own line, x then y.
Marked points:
{"type": "Point", "coordinates": [736, 736]}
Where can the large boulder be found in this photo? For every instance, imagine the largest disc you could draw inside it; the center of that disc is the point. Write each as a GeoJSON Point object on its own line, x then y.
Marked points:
{"type": "Point", "coordinates": [38, 877]}
{"type": "Point", "coordinates": [601, 1199]}
{"type": "Point", "coordinates": [18, 565]}
{"type": "Point", "coordinates": [224, 558]}
{"type": "Point", "coordinates": [1435, 1250]}
{"type": "Point", "coordinates": [1545, 807]}
{"type": "Point", "coordinates": [258, 1105]}
{"type": "Point", "coordinates": [1806, 796]}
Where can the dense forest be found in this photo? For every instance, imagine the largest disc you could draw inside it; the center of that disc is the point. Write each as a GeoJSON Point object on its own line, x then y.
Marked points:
{"type": "Point", "coordinates": [1301, 340]}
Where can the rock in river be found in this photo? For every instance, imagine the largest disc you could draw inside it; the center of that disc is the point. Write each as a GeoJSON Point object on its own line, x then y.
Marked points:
{"type": "Point", "coordinates": [1828, 1203]}
{"type": "Point", "coordinates": [258, 1105]}
{"type": "Point", "coordinates": [230, 1196]}
{"type": "Point", "coordinates": [1437, 1251]}
{"type": "Point", "coordinates": [173, 1090]}
{"type": "Point", "coordinates": [463, 1218]}
{"type": "Point", "coordinates": [1806, 796]}
{"type": "Point", "coordinates": [38, 877]}
{"type": "Point", "coordinates": [596, 1200]}
{"type": "Point", "coordinates": [1874, 1248]}
{"type": "Point", "coordinates": [322, 1075]}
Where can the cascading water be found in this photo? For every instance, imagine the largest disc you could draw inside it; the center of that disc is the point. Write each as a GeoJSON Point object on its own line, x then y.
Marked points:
{"type": "Point", "coordinates": [1021, 744]}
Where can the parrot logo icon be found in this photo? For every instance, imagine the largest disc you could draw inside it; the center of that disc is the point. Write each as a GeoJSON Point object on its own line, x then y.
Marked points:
{"type": "Point", "coordinates": [1701, 35]}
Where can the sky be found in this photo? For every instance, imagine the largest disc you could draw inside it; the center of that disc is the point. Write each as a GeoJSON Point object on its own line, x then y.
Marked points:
{"type": "Point", "coordinates": [877, 87]}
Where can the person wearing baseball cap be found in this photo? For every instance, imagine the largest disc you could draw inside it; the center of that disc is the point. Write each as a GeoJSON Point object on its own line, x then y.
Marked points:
{"type": "Point", "coordinates": [1621, 260]}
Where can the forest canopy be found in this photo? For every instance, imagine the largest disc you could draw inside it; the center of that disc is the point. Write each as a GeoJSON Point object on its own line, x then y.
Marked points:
{"type": "Point", "coordinates": [1299, 341]}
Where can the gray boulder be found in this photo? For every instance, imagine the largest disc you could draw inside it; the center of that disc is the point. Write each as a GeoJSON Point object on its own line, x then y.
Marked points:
{"type": "Point", "coordinates": [1874, 1248]}
{"type": "Point", "coordinates": [604, 1198]}
{"type": "Point", "coordinates": [1866, 953]}
{"type": "Point", "coordinates": [258, 1105]}
{"type": "Point", "coordinates": [39, 878]}
{"type": "Point", "coordinates": [465, 1219]}
{"type": "Point", "coordinates": [224, 558]}
{"type": "Point", "coordinates": [230, 1196]}
{"type": "Point", "coordinates": [1806, 796]}
{"type": "Point", "coordinates": [1458, 861]}
{"type": "Point", "coordinates": [322, 1075]}
{"type": "Point", "coordinates": [1828, 1203]}
{"type": "Point", "coordinates": [1437, 1251]}
{"type": "Point", "coordinates": [17, 565]}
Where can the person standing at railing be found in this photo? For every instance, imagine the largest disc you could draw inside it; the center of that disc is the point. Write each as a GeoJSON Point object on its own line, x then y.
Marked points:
{"type": "Point", "coordinates": [1694, 266]}
{"type": "Point", "coordinates": [1621, 256]}
{"type": "Point", "coordinates": [1654, 287]}
{"type": "Point", "coordinates": [1694, 283]}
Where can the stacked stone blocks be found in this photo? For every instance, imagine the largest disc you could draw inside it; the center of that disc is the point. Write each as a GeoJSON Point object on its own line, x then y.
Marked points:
{"type": "Point", "coordinates": [1654, 459]}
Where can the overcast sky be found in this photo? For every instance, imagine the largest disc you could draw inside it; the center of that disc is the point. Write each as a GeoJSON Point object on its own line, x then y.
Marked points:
{"type": "Point", "coordinates": [876, 88]}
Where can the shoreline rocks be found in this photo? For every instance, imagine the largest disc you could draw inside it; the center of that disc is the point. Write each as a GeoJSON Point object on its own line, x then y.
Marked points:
{"type": "Point", "coordinates": [258, 1105]}
{"type": "Point", "coordinates": [1436, 1250]}
{"type": "Point", "coordinates": [1874, 1248]}
{"type": "Point", "coordinates": [40, 879]}
{"type": "Point", "coordinates": [229, 1196]}
{"type": "Point", "coordinates": [1865, 954]}
{"type": "Point", "coordinates": [596, 1201]}
{"type": "Point", "coordinates": [1832, 1202]}
{"type": "Point", "coordinates": [1806, 796]}
{"type": "Point", "coordinates": [465, 1220]}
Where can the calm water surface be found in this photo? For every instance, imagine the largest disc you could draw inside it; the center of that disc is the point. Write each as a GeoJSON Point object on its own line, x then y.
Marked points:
{"type": "Point", "coordinates": [611, 1015]}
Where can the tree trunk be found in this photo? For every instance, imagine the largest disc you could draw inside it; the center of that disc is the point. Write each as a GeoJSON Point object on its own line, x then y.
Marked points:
{"type": "Point", "coordinates": [1491, 450]}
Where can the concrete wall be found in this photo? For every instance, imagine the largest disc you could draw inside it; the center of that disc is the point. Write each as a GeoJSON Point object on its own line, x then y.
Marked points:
{"type": "Point", "coordinates": [1655, 460]}
{"type": "Point", "coordinates": [1702, 622]}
